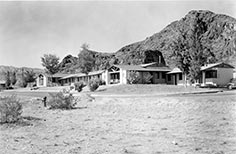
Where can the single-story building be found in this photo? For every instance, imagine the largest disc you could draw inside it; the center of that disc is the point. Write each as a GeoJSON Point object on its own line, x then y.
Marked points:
{"type": "Point", "coordinates": [119, 74]}
{"type": "Point", "coordinates": [218, 74]}
{"type": "Point", "coordinates": [45, 80]}
{"type": "Point", "coordinates": [72, 78]}
{"type": "Point", "coordinates": [176, 77]}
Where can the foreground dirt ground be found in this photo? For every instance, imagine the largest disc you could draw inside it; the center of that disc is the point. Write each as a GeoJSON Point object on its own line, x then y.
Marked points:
{"type": "Point", "coordinates": [183, 125]}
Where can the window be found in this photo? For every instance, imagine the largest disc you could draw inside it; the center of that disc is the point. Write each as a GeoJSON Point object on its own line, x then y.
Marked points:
{"type": "Point", "coordinates": [211, 74]}
{"type": "Point", "coordinates": [180, 76]}
{"type": "Point", "coordinates": [158, 76]}
{"type": "Point", "coordinates": [169, 77]}
{"type": "Point", "coordinates": [163, 75]}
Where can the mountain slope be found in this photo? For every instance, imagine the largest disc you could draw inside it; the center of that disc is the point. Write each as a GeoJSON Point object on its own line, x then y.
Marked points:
{"type": "Point", "coordinates": [219, 36]}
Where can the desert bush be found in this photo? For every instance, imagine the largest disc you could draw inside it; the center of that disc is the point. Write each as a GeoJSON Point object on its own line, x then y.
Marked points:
{"type": "Point", "coordinates": [61, 100]}
{"type": "Point", "coordinates": [10, 109]}
{"type": "Point", "coordinates": [147, 78]}
{"type": "Point", "coordinates": [65, 91]}
{"type": "Point", "coordinates": [79, 86]}
{"type": "Point", "coordinates": [21, 83]}
{"type": "Point", "coordinates": [100, 81]}
{"type": "Point", "coordinates": [93, 85]}
{"type": "Point", "coordinates": [133, 77]}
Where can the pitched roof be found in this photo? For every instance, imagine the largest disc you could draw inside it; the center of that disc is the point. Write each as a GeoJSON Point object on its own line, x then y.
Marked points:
{"type": "Point", "coordinates": [208, 66]}
{"type": "Point", "coordinates": [140, 68]}
{"type": "Point", "coordinates": [57, 75]}
{"type": "Point", "coordinates": [175, 70]}
{"type": "Point", "coordinates": [220, 64]}
{"type": "Point", "coordinates": [82, 74]}
{"type": "Point", "coordinates": [2, 82]}
{"type": "Point", "coordinates": [149, 64]}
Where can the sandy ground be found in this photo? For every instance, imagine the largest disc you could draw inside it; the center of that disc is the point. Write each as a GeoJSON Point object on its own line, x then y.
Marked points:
{"type": "Point", "coordinates": [194, 124]}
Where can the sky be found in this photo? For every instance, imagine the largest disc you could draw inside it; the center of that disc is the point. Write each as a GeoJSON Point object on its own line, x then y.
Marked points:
{"type": "Point", "coordinates": [30, 29]}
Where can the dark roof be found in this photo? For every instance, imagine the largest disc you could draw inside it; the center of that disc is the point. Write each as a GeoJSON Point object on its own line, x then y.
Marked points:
{"type": "Point", "coordinates": [175, 70]}
{"type": "Point", "coordinates": [221, 64]}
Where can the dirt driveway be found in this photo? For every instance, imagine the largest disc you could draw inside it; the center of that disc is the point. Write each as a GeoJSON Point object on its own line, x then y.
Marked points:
{"type": "Point", "coordinates": [203, 124]}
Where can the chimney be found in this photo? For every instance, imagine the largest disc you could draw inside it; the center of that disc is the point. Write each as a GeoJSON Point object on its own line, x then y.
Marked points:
{"type": "Point", "coordinates": [159, 59]}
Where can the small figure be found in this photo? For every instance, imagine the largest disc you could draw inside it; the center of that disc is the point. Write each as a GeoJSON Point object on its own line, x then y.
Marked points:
{"type": "Point", "coordinates": [44, 100]}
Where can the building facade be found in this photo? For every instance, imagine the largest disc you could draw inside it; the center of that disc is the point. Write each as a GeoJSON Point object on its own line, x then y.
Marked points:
{"type": "Point", "coordinates": [217, 74]}
{"type": "Point", "coordinates": [119, 74]}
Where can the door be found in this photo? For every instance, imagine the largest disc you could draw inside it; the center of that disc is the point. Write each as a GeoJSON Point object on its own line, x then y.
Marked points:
{"type": "Point", "coordinates": [175, 79]}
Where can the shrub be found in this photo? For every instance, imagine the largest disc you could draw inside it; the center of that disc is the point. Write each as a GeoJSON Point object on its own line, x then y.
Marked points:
{"type": "Point", "coordinates": [93, 85]}
{"type": "Point", "coordinates": [100, 81]}
{"type": "Point", "coordinates": [21, 83]}
{"type": "Point", "coordinates": [79, 86]}
{"type": "Point", "coordinates": [133, 77]}
{"type": "Point", "coordinates": [147, 78]}
{"type": "Point", "coordinates": [65, 91]}
{"type": "Point", "coordinates": [10, 109]}
{"type": "Point", "coordinates": [61, 100]}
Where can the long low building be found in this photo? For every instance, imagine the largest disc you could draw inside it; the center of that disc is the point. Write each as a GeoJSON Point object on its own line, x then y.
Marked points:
{"type": "Point", "coordinates": [72, 78]}
{"type": "Point", "coordinates": [217, 74]}
{"type": "Point", "coordinates": [119, 74]}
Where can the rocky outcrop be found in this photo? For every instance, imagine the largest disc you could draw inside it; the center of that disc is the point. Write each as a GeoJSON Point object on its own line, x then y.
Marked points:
{"type": "Point", "coordinates": [219, 36]}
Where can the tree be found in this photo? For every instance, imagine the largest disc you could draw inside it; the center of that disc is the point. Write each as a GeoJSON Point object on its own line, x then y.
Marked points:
{"type": "Point", "coordinates": [189, 51]}
{"type": "Point", "coordinates": [198, 55]}
{"type": "Point", "coordinates": [7, 78]}
{"type": "Point", "coordinates": [10, 78]}
{"type": "Point", "coordinates": [29, 76]}
{"type": "Point", "coordinates": [181, 55]}
{"type": "Point", "coordinates": [51, 63]}
{"type": "Point", "coordinates": [85, 46]}
{"type": "Point", "coordinates": [86, 59]}
{"type": "Point", "coordinates": [13, 78]}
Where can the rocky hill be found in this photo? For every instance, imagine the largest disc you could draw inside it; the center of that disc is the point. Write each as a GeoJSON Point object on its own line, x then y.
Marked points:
{"type": "Point", "coordinates": [218, 34]}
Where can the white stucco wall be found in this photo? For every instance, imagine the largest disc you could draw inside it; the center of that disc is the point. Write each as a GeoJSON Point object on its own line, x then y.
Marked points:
{"type": "Point", "coordinates": [106, 77]}
{"type": "Point", "coordinates": [45, 80]}
{"type": "Point", "coordinates": [123, 76]}
{"type": "Point", "coordinates": [224, 75]}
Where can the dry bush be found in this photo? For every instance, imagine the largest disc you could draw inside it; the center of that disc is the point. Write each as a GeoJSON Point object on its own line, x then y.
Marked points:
{"type": "Point", "coordinates": [93, 85]}
{"type": "Point", "coordinates": [147, 77]}
{"type": "Point", "coordinates": [79, 86]}
{"type": "Point", "coordinates": [10, 109]}
{"type": "Point", "coordinates": [100, 81]}
{"type": "Point", "coordinates": [134, 77]}
{"type": "Point", "coordinates": [61, 100]}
